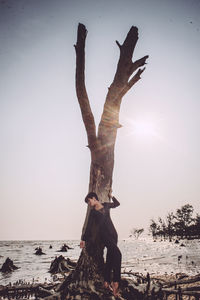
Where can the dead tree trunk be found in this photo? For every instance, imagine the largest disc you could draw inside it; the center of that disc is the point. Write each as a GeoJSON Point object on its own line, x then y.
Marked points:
{"type": "Point", "coordinates": [102, 143]}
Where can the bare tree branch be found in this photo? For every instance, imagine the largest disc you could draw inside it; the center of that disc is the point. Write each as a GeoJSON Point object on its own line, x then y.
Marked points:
{"type": "Point", "coordinates": [137, 64]}
{"type": "Point", "coordinates": [81, 92]}
{"type": "Point", "coordinates": [125, 60]}
{"type": "Point", "coordinates": [122, 82]}
{"type": "Point", "coordinates": [131, 82]}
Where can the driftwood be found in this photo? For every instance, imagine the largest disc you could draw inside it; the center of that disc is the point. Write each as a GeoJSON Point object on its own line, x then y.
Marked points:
{"type": "Point", "coordinates": [8, 266]}
{"type": "Point", "coordinates": [129, 289]}
{"type": "Point", "coordinates": [27, 290]}
{"type": "Point", "coordinates": [64, 248]}
{"type": "Point", "coordinates": [61, 265]}
{"type": "Point", "coordinates": [184, 281]}
{"type": "Point", "coordinates": [180, 293]}
{"type": "Point", "coordinates": [39, 251]}
{"type": "Point", "coordinates": [140, 277]}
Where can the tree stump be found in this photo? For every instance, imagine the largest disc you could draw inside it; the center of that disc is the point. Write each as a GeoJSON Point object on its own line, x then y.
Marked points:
{"type": "Point", "coordinates": [61, 265]}
{"type": "Point", "coordinates": [8, 266]}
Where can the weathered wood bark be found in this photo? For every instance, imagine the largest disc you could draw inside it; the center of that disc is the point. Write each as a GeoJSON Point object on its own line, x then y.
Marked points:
{"type": "Point", "coordinates": [8, 266]}
{"type": "Point", "coordinates": [147, 289]}
{"type": "Point", "coordinates": [61, 265]}
{"type": "Point", "coordinates": [102, 143]}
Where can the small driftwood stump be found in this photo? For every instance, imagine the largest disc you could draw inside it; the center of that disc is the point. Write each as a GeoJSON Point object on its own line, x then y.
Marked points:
{"type": "Point", "coordinates": [8, 266]}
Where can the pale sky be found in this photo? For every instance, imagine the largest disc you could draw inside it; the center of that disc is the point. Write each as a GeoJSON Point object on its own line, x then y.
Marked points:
{"type": "Point", "coordinates": [44, 161]}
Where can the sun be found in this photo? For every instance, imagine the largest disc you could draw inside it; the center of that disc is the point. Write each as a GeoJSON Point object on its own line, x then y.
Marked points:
{"type": "Point", "coordinates": [144, 128]}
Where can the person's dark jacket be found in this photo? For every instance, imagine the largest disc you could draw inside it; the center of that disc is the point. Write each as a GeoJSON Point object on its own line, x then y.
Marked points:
{"type": "Point", "coordinates": [102, 221]}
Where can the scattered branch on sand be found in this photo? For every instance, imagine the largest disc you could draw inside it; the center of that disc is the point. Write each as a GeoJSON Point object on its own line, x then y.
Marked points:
{"type": "Point", "coordinates": [149, 288]}
{"type": "Point", "coordinates": [27, 290]}
{"type": "Point", "coordinates": [140, 278]}
{"type": "Point", "coordinates": [184, 281]}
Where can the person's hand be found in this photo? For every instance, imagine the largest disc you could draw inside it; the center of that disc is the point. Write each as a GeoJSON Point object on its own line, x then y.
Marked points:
{"type": "Point", "coordinates": [82, 244]}
{"type": "Point", "coordinates": [110, 193]}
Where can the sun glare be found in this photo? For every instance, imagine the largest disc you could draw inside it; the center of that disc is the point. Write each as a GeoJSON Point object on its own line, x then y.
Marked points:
{"type": "Point", "coordinates": [144, 128]}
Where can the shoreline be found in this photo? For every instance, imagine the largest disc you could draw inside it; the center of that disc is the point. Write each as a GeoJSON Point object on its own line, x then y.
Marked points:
{"type": "Point", "coordinates": [159, 258]}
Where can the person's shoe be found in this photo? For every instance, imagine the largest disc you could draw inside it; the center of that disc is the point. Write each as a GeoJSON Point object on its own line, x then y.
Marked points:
{"type": "Point", "coordinates": [115, 287]}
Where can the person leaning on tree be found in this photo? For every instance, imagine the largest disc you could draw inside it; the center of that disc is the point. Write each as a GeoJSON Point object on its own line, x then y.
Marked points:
{"type": "Point", "coordinates": [100, 214]}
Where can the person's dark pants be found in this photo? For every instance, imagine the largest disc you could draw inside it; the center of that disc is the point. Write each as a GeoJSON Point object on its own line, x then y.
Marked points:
{"type": "Point", "coordinates": [113, 262]}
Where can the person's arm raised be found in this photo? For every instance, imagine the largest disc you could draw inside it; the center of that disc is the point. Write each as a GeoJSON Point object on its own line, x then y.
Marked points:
{"type": "Point", "coordinates": [114, 203]}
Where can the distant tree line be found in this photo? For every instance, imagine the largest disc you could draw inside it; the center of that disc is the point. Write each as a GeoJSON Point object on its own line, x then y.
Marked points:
{"type": "Point", "coordinates": [181, 224]}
